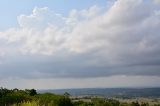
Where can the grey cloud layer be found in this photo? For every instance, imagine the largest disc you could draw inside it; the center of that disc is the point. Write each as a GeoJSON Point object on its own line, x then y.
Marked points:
{"type": "Point", "coordinates": [123, 40]}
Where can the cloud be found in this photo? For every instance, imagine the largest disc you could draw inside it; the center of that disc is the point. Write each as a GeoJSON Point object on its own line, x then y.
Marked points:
{"type": "Point", "coordinates": [157, 1]}
{"type": "Point", "coordinates": [127, 33]}
{"type": "Point", "coordinates": [122, 40]}
{"type": "Point", "coordinates": [44, 31]}
{"type": "Point", "coordinates": [102, 82]}
{"type": "Point", "coordinates": [40, 18]}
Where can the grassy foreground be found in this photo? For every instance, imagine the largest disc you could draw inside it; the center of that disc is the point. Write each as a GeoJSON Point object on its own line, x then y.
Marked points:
{"type": "Point", "coordinates": [29, 97]}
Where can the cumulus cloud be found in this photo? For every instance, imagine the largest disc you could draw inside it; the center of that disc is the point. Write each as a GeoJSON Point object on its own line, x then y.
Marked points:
{"type": "Point", "coordinates": [123, 40]}
{"type": "Point", "coordinates": [40, 18]}
{"type": "Point", "coordinates": [121, 35]}
{"type": "Point", "coordinates": [44, 31]}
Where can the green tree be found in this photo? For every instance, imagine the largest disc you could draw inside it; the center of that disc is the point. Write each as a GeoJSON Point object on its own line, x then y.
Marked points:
{"type": "Point", "coordinates": [33, 92]}
{"type": "Point", "coordinates": [64, 101]}
{"type": "Point", "coordinates": [135, 104]}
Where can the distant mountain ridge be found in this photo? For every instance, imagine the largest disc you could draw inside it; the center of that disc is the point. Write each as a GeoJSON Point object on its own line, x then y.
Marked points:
{"type": "Point", "coordinates": [108, 92]}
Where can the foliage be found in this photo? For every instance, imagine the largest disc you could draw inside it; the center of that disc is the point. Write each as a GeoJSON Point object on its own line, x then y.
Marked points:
{"type": "Point", "coordinates": [29, 97]}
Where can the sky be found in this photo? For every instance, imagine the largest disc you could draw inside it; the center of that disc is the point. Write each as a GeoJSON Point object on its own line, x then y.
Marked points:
{"type": "Point", "coordinates": [56, 44]}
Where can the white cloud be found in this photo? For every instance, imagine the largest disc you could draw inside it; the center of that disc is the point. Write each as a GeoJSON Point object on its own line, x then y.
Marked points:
{"type": "Point", "coordinates": [40, 19]}
{"type": "Point", "coordinates": [127, 30]}
{"type": "Point", "coordinates": [46, 42]}
{"type": "Point", "coordinates": [125, 37]}
{"type": "Point", "coordinates": [44, 31]}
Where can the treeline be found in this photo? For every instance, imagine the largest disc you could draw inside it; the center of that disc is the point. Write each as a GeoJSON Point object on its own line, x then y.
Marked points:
{"type": "Point", "coordinates": [29, 97]}
{"type": "Point", "coordinates": [8, 97]}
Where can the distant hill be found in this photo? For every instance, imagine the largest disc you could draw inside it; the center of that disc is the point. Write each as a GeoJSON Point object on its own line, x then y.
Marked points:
{"type": "Point", "coordinates": [109, 92]}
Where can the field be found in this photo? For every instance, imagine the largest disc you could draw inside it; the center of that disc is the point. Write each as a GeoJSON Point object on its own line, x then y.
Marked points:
{"type": "Point", "coordinates": [151, 101]}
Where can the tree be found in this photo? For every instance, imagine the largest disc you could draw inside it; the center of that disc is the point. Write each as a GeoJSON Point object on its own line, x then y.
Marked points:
{"type": "Point", "coordinates": [66, 94]}
{"type": "Point", "coordinates": [135, 104]}
{"type": "Point", "coordinates": [32, 92]}
{"type": "Point", "coordinates": [64, 101]}
{"type": "Point", "coordinates": [144, 104]}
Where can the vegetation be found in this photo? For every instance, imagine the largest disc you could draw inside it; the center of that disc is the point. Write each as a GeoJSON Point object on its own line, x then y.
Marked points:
{"type": "Point", "coordinates": [29, 97]}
